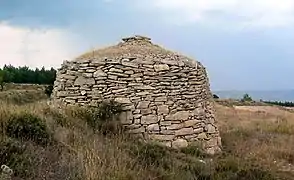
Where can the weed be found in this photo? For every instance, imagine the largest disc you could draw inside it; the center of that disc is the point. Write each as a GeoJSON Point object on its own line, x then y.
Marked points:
{"type": "Point", "coordinates": [25, 126]}
{"type": "Point", "coordinates": [49, 90]}
{"type": "Point", "coordinates": [78, 153]}
{"type": "Point", "coordinates": [104, 118]}
{"type": "Point", "coordinates": [194, 150]}
{"type": "Point", "coordinates": [14, 154]}
{"type": "Point", "coordinates": [21, 97]}
{"type": "Point", "coordinates": [169, 163]}
{"type": "Point", "coordinates": [282, 127]}
{"type": "Point", "coordinates": [152, 154]}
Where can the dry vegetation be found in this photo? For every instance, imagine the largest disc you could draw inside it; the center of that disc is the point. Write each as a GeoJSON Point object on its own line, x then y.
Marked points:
{"type": "Point", "coordinates": [39, 142]}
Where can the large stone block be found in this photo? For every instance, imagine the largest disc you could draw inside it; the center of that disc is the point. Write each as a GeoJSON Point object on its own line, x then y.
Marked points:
{"type": "Point", "coordinates": [129, 64]}
{"type": "Point", "coordinates": [149, 119]}
{"type": "Point", "coordinates": [202, 136]}
{"type": "Point", "coordinates": [181, 115]}
{"type": "Point", "coordinates": [213, 142]}
{"type": "Point", "coordinates": [161, 99]}
{"type": "Point", "coordinates": [153, 127]}
{"type": "Point", "coordinates": [162, 109]}
{"type": "Point", "coordinates": [146, 111]}
{"type": "Point", "coordinates": [191, 123]}
{"type": "Point", "coordinates": [165, 123]}
{"type": "Point", "coordinates": [136, 131]}
{"type": "Point", "coordinates": [126, 117]}
{"type": "Point", "coordinates": [161, 137]}
{"type": "Point", "coordinates": [179, 143]}
{"type": "Point", "coordinates": [99, 73]}
{"type": "Point", "coordinates": [68, 77]}
{"type": "Point", "coordinates": [62, 93]}
{"type": "Point", "coordinates": [116, 70]}
{"type": "Point", "coordinates": [161, 67]}
{"type": "Point", "coordinates": [123, 100]}
{"type": "Point", "coordinates": [143, 104]}
{"type": "Point", "coordinates": [80, 81]}
{"type": "Point", "coordinates": [175, 126]}
{"type": "Point", "coordinates": [210, 129]}
{"type": "Point", "coordinates": [184, 131]}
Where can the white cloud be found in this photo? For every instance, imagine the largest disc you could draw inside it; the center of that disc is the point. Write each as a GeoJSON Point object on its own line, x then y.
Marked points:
{"type": "Point", "coordinates": [256, 13]}
{"type": "Point", "coordinates": [35, 47]}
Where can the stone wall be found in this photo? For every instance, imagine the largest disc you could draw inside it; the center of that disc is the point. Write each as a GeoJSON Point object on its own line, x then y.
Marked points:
{"type": "Point", "coordinates": [164, 100]}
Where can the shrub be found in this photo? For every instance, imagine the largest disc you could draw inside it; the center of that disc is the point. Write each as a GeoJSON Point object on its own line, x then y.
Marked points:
{"type": "Point", "coordinates": [104, 118]}
{"type": "Point", "coordinates": [108, 111]}
{"type": "Point", "coordinates": [236, 169]}
{"type": "Point", "coordinates": [1, 80]}
{"type": "Point", "coordinates": [58, 116]}
{"type": "Point", "coordinates": [21, 97]}
{"type": "Point", "coordinates": [246, 98]}
{"type": "Point", "coordinates": [14, 155]}
{"type": "Point", "coordinates": [215, 96]}
{"type": "Point", "coordinates": [194, 150]}
{"type": "Point", "coordinates": [25, 126]}
{"type": "Point", "coordinates": [152, 154]}
{"type": "Point", "coordinates": [282, 127]}
{"type": "Point", "coordinates": [49, 90]}
{"type": "Point", "coordinates": [170, 164]}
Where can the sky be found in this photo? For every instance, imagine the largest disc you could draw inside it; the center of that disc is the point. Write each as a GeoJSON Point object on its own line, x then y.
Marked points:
{"type": "Point", "coordinates": [244, 45]}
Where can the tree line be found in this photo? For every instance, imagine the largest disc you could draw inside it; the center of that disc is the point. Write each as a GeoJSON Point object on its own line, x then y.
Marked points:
{"type": "Point", "coordinates": [280, 103]}
{"type": "Point", "coordinates": [247, 98]}
{"type": "Point", "coordinates": [25, 75]}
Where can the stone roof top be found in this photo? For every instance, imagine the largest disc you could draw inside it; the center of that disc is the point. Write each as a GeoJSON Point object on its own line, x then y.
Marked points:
{"type": "Point", "coordinates": [137, 47]}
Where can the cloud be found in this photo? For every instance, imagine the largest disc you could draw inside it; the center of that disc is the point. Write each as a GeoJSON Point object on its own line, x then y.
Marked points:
{"type": "Point", "coordinates": [21, 46]}
{"type": "Point", "coordinates": [249, 13]}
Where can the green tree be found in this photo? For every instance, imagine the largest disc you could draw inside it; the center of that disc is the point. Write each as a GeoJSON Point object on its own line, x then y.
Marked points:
{"type": "Point", "coordinates": [215, 96]}
{"type": "Point", "coordinates": [1, 80]}
{"type": "Point", "coordinates": [28, 76]}
{"type": "Point", "coordinates": [246, 98]}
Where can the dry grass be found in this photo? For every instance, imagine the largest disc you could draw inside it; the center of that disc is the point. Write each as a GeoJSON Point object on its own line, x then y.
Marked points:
{"type": "Point", "coordinates": [257, 145]}
{"type": "Point", "coordinates": [78, 152]}
{"type": "Point", "coordinates": [265, 136]}
{"type": "Point", "coordinates": [21, 96]}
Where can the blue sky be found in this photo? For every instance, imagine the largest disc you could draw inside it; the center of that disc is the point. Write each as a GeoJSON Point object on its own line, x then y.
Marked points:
{"type": "Point", "coordinates": [245, 45]}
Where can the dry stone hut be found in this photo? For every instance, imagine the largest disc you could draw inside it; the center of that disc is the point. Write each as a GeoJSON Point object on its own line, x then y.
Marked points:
{"type": "Point", "coordinates": [166, 96]}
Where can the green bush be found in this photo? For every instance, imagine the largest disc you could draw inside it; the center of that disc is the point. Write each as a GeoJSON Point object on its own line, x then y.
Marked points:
{"type": "Point", "coordinates": [152, 154]}
{"type": "Point", "coordinates": [49, 90]}
{"type": "Point", "coordinates": [14, 155]}
{"type": "Point", "coordinates": [104, 118]}
{"type": "Point", "coordinates": [108, 110]}
{"type": "Point", "coordinates": [194, 150]}
{"type": "Point", "coordinates": [246, 98]}
{"type": "Point", "coordinates": [233, 168]}
{"type": "Point", "coordinates": [170, 164]}
{"type": "Point", "coordinates": [215, 96]}
{"type": "Point", "coordinates": [26, 126]}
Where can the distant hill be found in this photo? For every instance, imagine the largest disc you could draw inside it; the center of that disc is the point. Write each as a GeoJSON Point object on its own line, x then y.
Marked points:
{"type": "Point", "coordinates": [274, 95]}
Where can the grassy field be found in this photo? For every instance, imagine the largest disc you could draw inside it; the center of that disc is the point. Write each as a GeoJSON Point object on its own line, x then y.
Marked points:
{"type": "Point", "coordinates": [40, 142]}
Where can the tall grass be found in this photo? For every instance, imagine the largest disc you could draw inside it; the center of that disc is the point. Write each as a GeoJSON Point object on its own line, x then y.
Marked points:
{"type": "Point", "coordinates": [256, 147]}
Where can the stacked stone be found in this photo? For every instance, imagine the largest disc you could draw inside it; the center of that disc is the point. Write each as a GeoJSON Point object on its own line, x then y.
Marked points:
{"type": "Point", "coordinates": [165, 97]}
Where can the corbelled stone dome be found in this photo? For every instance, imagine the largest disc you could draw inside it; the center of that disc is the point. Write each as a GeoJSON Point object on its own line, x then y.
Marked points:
{"type": "Point", "coordinates": [166, 96]}
{"type": "Point", "coordinates": [138, 47]}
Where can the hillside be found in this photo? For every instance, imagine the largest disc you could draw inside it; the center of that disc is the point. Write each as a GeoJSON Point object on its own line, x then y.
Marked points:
{"type": "Point", "coordinates": [62, 144]}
